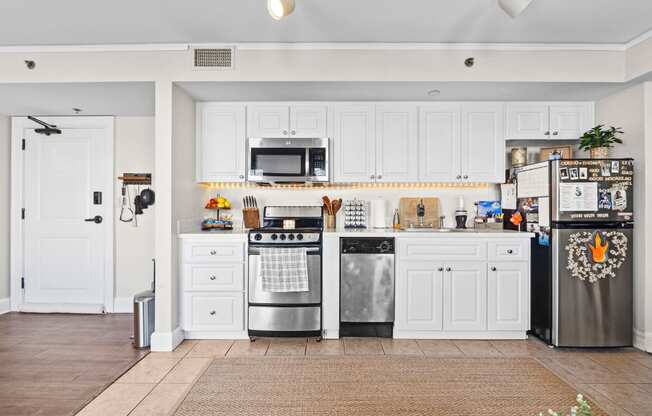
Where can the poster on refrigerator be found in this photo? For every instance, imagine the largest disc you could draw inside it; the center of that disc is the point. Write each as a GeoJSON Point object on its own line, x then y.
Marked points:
{"type": "Point", "coordinates": [579, 196]}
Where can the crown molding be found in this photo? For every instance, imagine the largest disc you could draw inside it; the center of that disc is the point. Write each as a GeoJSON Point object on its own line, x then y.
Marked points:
{"type": "Point", "coordinates": [136, 47]}
{"type": "Point", "coordinates": [639, 39]}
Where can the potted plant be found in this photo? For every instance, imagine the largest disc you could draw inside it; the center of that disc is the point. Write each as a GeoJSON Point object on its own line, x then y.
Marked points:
{"type": "Point", "coordinates": [599, 139]}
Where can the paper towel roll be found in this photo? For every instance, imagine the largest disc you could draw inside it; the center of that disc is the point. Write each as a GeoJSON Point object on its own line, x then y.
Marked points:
{"type": "Point", "coordinates": [379, 213]}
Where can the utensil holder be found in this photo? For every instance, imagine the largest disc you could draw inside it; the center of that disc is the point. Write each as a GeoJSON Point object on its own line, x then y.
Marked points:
{"type": "Point", "coordinates": [251, 217]}
{"type": "Point", "coordinates": [331, 223]}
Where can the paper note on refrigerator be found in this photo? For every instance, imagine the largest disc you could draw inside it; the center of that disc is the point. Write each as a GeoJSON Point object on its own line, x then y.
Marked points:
{"type": "Point", "coordinates": [579, 196]}
{"type": "Point", "coordinates": [508, 196]}
{"type": "Point", "coordinates": [544, 212]}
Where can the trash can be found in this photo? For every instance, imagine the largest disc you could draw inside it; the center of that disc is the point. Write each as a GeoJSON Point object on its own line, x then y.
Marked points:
{"type": "Point", "coordinates": [143, 318]}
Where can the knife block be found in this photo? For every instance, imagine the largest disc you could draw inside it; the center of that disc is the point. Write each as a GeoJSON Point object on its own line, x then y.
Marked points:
{"type": "Point", "coordinates": [251, 217]}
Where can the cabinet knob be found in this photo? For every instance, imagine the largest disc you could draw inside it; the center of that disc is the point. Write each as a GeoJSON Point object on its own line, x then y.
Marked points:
{"type": "Point", "coordinates": [213, 252]}
{"type": "Point", "coordinates": [212, 277]}
{"type": "Point", "coordinates": [379, 177]}
{"type": "Point", "coordinates": [241, 176]}
{"type": "Point", "coordinates": [372, 176]}
{"type": "Point", "coordinates": [493, 268]}
{"type": "Point", "coordinates": [448, 269]}
{"type": "Point", "coordinates": [466, 176]}
{"type": "Point", "coordinates": [285, 132]}
{"type": "Point", "coordinates": [293, 132]}
{"type": "Point", "coordinates": [440, 269]}
{"type": "Point", "coordinates": [510, 251]}
{"type": "Point", "coordinates": [212, 313]}
{"type": "Point", "coordinates": [555, 133]}
{"type": "Point", "coordinates": [458, 177]}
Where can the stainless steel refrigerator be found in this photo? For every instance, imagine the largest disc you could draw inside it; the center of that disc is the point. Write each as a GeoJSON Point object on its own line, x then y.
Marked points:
{"type": "Point", "coordinates": [582, 270]}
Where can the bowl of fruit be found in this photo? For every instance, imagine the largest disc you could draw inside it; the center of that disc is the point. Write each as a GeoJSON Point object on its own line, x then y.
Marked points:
{"type": "Point", "coordinates": [220, 222]}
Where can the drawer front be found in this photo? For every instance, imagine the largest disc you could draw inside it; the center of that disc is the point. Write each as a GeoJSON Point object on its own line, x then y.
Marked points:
{"type": "Point", "coordinates": [214, 277]}
{"type": "Point", "coordinates": [214, 311]}
{"type": "Point", "coordinates": [508, 250]}
{"type": "Point", "coordinates": [210, 251]}
{"type": "Point", "coordinates": [443, 249]}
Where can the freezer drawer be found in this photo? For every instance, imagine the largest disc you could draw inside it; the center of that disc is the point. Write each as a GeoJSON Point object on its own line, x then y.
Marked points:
{"type": "Point", "coordinates": [592, 287]}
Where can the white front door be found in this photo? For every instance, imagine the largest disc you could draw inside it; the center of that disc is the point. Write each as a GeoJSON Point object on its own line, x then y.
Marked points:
{"type": "Point", "coordinates": [67, 182]}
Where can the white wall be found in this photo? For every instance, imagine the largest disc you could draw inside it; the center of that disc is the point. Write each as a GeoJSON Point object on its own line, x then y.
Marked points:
{"type": "Point", "coordinates": [134, 246]}
{"type": "Point", "coordinates": [626, 109]}
{"type": "Point", "coordinates": [5, 169]}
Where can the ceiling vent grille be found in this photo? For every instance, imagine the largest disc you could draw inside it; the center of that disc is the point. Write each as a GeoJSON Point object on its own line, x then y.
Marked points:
{"type": "Point", "coordinates": [213, 58]}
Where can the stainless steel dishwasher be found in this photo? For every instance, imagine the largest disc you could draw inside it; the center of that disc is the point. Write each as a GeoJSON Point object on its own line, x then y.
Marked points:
{"type": "Point", "coordinates": [366, 287]}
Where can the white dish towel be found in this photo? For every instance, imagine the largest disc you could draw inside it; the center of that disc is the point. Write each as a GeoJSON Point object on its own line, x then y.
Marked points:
{"type": "Point", "coordinates": [283, 269]}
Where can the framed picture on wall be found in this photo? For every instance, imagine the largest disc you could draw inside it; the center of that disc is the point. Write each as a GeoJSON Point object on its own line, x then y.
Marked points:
{"type": "Point", "coordinates": [566, 152]}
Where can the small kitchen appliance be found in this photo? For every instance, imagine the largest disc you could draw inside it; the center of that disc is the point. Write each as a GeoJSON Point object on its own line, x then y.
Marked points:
{"type": "Point", "coordinates": [356, 213]}
{"type": "Point", "coordinates": [286, 313]}
{"type": "Point", "coordinates": [287, 160]}
{"type": "Point", "coordinates": [582, 269]}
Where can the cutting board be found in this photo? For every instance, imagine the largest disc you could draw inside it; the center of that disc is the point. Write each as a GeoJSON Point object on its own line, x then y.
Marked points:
{"type": "Point", "coordinates": [408, 211]}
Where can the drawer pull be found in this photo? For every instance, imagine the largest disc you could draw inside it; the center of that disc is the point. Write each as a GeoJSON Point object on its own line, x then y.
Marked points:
{"type": "Point", "coordinates": [441, 269]}
{"type": "Point", "coordinates": [213, 252]}
{"type": "Point", "coordinates": [510, 251]}
{"type": "Point", "coordinates": [212, 313]}
{"type": "Point", "coordinates": [213, 277]}
{"type": "Point", "coordinates": [493, 269]}
{"type": "Point", "coordinates": [448, 269]}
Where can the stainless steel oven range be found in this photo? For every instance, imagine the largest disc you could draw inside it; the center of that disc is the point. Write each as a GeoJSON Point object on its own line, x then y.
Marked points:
{"type": "Point", "coordinates": [273, 313]}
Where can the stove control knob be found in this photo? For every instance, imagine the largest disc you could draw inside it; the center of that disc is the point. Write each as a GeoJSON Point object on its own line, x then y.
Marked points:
{"type": "Point", "coordinates": [290, 237]}
{"type": "Point", "coordinates": [258, 237]}
{"type": "Point", "coordinates": [283, 237]}
{"type": "Point", "coordinates": [384, 247]}
{"type": "Point", "coordinates": [299, 237]}
{"type": "Point", "coordinates": [274, 237]}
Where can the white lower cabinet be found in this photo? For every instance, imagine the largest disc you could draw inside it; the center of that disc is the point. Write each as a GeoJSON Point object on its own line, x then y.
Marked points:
{"type": "Point", "coordinates": [212, 288]}
{"type": "Point", "coordinates": [508, 296]}
{"type": "Point", "coordinates": [465, 296]}
{"type": "Point", "coordinates": [439, 295]}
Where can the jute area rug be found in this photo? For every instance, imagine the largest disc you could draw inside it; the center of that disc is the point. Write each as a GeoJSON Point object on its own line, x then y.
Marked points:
{"type": "Point", "coordinates": [384, 385]}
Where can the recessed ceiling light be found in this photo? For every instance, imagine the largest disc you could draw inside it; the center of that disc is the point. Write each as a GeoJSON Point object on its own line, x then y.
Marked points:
{"type": "Point", "coordinates": [278, 9]}
{"type": "Point", "coordinates": [514, 7]}
{"type": "Point", "coordinates": [432, 93]}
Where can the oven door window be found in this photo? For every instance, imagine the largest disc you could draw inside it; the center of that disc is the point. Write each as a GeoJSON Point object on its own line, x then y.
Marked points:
{"type": "Point", "coordinates": [278, 162]}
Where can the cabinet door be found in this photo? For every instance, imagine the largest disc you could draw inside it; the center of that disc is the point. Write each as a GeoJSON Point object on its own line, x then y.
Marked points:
{"type": "Point", "coordinates": [353, 133]}
{"type": "Point", "coordinates": [220, 143]}
{"type": "Point", "coordinates": [570, 121]}
{"type": "Point", "coordinates": [419, 296]}
{"type": "Point", "coordinates": [268, 121]}
{"type": "Point", "coordinates": [508, 296]}
{"type": "Point", "coordinates": [483, 143]}
{"type": "Point", "coordinates": [396, 143]}
{"type": "Point", "coordinates": [527, 121]}
{"type": "Point", "coordinates": [465, 296]}
{"type": "Point", "coordinates": [439, 142]}
{"type": "Point", "coordinates": [308, 121]}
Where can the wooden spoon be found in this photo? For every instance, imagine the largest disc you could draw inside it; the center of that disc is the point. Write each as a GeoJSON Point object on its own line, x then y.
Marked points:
{"type": "Point", "coordinates": [337, 204]}
{"type": "Point", "coordinates": [327, 204]}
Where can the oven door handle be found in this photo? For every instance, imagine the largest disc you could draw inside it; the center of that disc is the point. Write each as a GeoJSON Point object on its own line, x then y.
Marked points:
{"type": "Point", "coordinates": [311, 251]}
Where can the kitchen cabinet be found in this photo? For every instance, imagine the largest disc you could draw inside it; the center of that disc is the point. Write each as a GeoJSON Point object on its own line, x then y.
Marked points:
{"type": "Point", "coordinates": [419, 306]}
{"type": "Point", "coordinates": [439, 142]}
{"type": "Point", "coordinates": [482, 143]}
{"type": "Point", "coordinates": [396, 143]}
{"type": "Point", "coordinates": [548, 121]}
{"type": "Point", "coordinates": [286, 120]}
{"type": "Point", "coordinates": [465, 296]}
{"type": "Point", "coordinates": [220, 142]}
{"type": "Point", "coordinates": [353, 132]}
{"type": "Point", "coordinates": [508, 296]}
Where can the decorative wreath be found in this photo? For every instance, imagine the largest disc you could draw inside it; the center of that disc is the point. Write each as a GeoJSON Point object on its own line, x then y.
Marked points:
{"type": "Point", "coordinates": [580, 258]}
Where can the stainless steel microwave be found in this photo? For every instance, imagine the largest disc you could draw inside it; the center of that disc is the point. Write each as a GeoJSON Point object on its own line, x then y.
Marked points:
{"type": "Point", "coordinates": [291, 160]}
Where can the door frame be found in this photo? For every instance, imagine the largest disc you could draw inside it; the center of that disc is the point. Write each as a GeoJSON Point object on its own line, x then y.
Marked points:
{"type": "Point", "coordinates": [18, 126]}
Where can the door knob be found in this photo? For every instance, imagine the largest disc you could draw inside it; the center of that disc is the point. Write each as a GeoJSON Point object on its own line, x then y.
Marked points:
{"type": "Point", "coordinates": [96, 219]}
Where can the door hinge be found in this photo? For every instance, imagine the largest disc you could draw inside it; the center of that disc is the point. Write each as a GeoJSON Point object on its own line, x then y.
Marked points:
{"type": "Point", "coordinates": [22, 283]}
{"type": "Point", "coordinates": [22, 213]}
{"type": "Point", "coordinates": [24, 144]}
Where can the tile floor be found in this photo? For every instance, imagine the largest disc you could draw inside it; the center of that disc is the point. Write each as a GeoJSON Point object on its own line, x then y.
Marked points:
{"type": "Point", "coordinates": [619, 381]}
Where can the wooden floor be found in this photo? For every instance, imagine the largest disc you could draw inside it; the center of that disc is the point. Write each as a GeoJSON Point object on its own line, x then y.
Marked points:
{"type": "Point", "coordinates": [619, 381]}
{"type": "Point", "coordinates": [54, 365]}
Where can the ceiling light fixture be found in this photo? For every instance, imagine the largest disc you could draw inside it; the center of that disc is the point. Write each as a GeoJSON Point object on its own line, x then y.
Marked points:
{"type": "Point", "coordinates": [514, 7]}
{"type": "Point", "coordinates": [278, 9]}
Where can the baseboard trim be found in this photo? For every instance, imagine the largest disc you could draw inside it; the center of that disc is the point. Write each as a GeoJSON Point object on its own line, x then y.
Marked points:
{"type": "Point", "coordinates": [166, 341]}
{"type": "Point", "coordinates": [639, 339]}
{"type": "Point", "coordinates": [123, 305]}
{"type": "Point", "coordinates": [215, 335]}
{"type": "Point", "coordinates": [79, 308]}
{"type": "Point", "coordinates": [5, 305]}
{"type": "Point", "coordinates": [460, 335]}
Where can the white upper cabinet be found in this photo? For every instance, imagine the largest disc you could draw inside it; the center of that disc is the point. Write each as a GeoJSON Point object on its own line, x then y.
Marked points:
{"type": "Point", "coordinates": [483, 143]}
{"type": "Point", "coordinates": [548, 121]}
{"type": "Point", "coordinates": [527, 121]}
{"type": "Point", "coordinates": [396, 143]}
{"type": "Point", "coordinates": [220, 142]}
{"type": "Point", "coordinates": [352, 129]}
{"type": "Point", "coordinates": [439, 142]}
{"type": "Point", "coordinates": [569, 121]}
{"type": "Point", "coordinates": [308, 121]}
{"type": "Point", "coordinates": [286, 120]}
